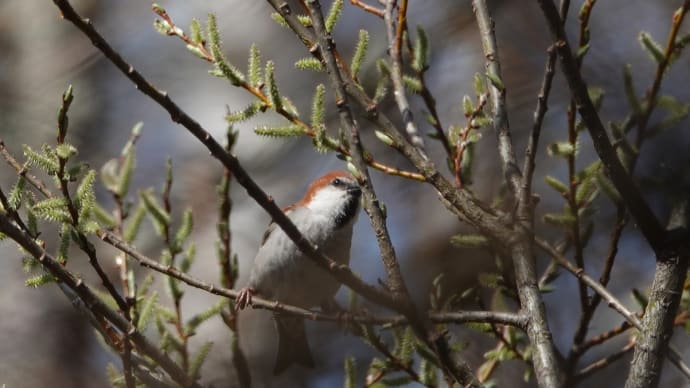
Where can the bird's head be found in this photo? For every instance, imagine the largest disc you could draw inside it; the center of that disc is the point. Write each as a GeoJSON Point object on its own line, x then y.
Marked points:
{"type": "Point", "coordinates": [334, 195]}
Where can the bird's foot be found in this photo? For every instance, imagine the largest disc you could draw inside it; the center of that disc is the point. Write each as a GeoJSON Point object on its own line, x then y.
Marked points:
{"type": "Point", "coordinates": [244, 298]}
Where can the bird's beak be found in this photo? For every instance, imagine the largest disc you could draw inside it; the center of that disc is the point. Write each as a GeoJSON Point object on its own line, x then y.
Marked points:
{"type": "Point", "coordinates": [354, 189]}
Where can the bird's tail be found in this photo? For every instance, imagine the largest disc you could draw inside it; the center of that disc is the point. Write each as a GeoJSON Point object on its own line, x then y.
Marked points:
{"type": "Point", "coordinates": [293, 347]}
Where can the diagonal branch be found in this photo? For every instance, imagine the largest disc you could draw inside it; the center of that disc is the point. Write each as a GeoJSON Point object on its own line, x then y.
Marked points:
{"type": "Point", "coordinates": [341, 272]}
{"type": "Point", "coordinates": [372, 206]}
{"type": "Point", "coordinates": [394, 34]}
{"type": "Point", "coordinates": [511, 171]}
{"type": "Point", "coordinates": [545, 358]}
{"type": "Point", "coordinates": [93, 302]}
{"type": "Point", "coordinates": [496, 317]}
{"type": "Point", "coordinates": [664, 299]}
{"type": "Point", "coordinates": [473, 211]}
{"type": "Point", "coordinates": [610, 299]}
{"type": "Point", "coordinates": [646, 220]}
{"type": "Point", "coordinates": [456, 368]}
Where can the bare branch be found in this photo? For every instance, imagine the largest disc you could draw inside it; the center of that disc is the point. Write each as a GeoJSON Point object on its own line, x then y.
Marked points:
{"type": "Point", "coordinates": [497, 90]}
{"type": "Point", "coordinates": [611, 300]}
{"type": "Point", "coordinates": [496, 317]}
{"type": "Point", "coordinates": [646, 220]}
{"type": "Point", "coordinates": [341, 272]}
{"type": "Point", "coordinates": [394, 34]}
{"type": "Point", "coordinates": [93, 301]}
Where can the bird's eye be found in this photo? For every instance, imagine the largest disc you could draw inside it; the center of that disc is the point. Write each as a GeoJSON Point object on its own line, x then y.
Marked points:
{"type": "Point", "coordinates": [337, 182]}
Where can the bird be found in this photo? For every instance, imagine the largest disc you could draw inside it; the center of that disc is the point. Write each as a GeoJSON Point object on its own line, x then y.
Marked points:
{"type": "Point", "coordinates": [280, 271]}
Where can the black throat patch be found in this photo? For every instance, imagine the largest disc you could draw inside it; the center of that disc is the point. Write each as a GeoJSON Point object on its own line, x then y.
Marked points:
{"type": "Point", "coordinates": [348, 213]}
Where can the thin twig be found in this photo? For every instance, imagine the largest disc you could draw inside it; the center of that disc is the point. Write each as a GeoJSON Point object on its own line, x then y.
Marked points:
{"type": "Point", "coordinates": [394, 36]}
{"type": "Point", "coordinates": [611, 300]}
{"type": "Point", "coordinates": [341, 272]}
{"type": "Point", "coordinates": [646, 220]}
{"type": "Point", "coordinates": [502, 318]}
{"type": "Point", "coordinates": [586, 312]}
{"type": "Point", "coordinates": [23, 171]}
{"type": "Point", "coordinates": [603, 362]}
{"type": "Point", "coordinates": [663, 64]}
{"type": "Point", "coordinates": [93, 301]}
{"type": "Point", "coordinates": [539, 113]}
{"type": "Point", "coordinates": [497, 91]}
{"type": "Point", "coordinates": [261, 95]}
{"type": "Point", "coordinates": [457, 368]}
{"type": "Point", "coordinates": [368, 8]}
{"type": "Point", "coordinates": [462, 202]}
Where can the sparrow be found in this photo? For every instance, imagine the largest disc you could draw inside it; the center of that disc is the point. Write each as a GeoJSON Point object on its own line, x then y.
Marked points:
{"type": "Point", "coordinates": [281, 272]}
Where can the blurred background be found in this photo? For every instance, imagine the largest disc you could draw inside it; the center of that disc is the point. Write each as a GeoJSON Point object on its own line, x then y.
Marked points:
{"type": "Point", "coordinates": [43, 341]}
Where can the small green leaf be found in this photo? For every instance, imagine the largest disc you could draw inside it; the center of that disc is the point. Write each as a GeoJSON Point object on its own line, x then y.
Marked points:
{"type": "Point", "coordinates": [65, 150]}
{"type": "Point", "coordinates": [273, 93]}
{"type": "Point", "coordinates": [559, 219]}
{"type": "Point", "coordinates": [184, 231]}
{"type": "Point", "coordinates": [467, 107]}
{"type": "Point", "coordinates": [469, 241]}
{"type": "Point", "coordinates": [284, 131]}
{"type": "Point", "coordinates": [309, 63]}
{"type": "Point", "coordinates": [495, 81]}
{"type": "Point", "coordinates": [194, 322]}
{"type": "Point", "coordinates": [195, 31]}
{"type": "Point", "coordinates": [16, 194]}
{"type": "Point", "coordinates": [333, 15]}
{"type": "Point", "coordinates": [556, 184]}
{"type": "Point", "coordinates": [413, 84]}
{"type": "Point", "coordinates": [86, 197]}
{"type": "Point", "coordinates": [244, 114]}
{"type": "Point", "coordinates": [146, 310]}
{"type": "Point", "coordinates": [406, 346]}
{"type": "Point", "coordinates": [65, 239]}
{"type": "Point", "coordinates": [198, 359]}
{"type": "Point", "coordinates": [479, 84]}
{"type": "Point", "coordinates": [159, 217]}
{"type": "Point", "coordinates": [305, 20]}
{"type": "Point", "coordinates": [420, 51]}
{"type": "Point", "coordinates": [384, 138]}
{"type": "Point", "coordinates": [607, 187]}
{"type": "Point", "coordinates": [596, 95]}
{"type": "Point", "coordinates": [42, 160]}
{"type": "Point", "coordinates": [317, 107]}
{"type": "Point", "coordinates": [254, 67]}
{"type": "Point", "coordinates": [562, 149]}
{"type": "Point", "coordinates": [188, 258]}
{"type": "Point", "coordinates": [40, 280]}
{"type": "Point", "coordinates": [630, 93]}
{"type": "Point", "coordinates": [360, 53]}
{"type": "Point", "coordinates": [278, 18]}
{"type": "Point", "coordinates": [289, 107]}
{"type": "Point", "coordinates": [582, 51]}
{"type": "Point", "coordinates": [223, 68]}
{"type": "Point", "coordinates": [52, 209]}
{"type": "Point", "coordinates": [586, 190]}
{"type": "Point", "coordinates": [656, 52]}
{"type": "Point", "coordinates": [132, 227]}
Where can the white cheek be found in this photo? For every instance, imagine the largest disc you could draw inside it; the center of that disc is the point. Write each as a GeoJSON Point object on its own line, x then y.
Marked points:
{"type": "Point", "coordinates": [327, 202]}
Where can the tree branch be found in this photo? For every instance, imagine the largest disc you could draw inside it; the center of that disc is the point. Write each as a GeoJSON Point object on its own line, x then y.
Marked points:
{"type": "Point", "coordinates": [646, 220]}
{"type": "Point", "coordinates": [611, 300]}
{"type": "Point", "coordinates": [497, 90]}
{"type": "Point", "coordinates": [341, 272]}
{"type": "Point", "coordinates": [502, 318]}
{"type": "Point", "coordinates": [664, 298]}
{"type": "Point", "coordinates": [394, 36]}
{"type": "Point", "coordinates": [455, 367]}
{"type": "Point", "coordinates": [93, 302]}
